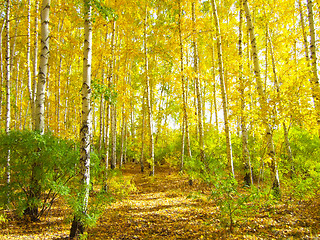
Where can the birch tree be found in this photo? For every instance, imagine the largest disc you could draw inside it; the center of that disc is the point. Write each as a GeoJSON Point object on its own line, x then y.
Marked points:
{"type": "Point", "coordinates": [35, 66]}
{"type": "Point", "coordinates": [28, 60]}
{"type": "Point", "coordinates": [78, 225]}
{"type": "Point", "coordinates": [222, 86]}
{"type": "Point", "coordinates": [43, 67]}
{"type": "Point", "coordinates": [148, 89]}
{"type": "Point", "coordinates": [313, 59]}
{"type": "Point", "coordinates": [185, 124]}
{"type": "Point", "coordinates": [198, 101]}
{"type": "Point", "coordinates": [262, 99]}
{"type": "Point", "coordinates": [248, 179]}
{"type": "Point", "coordinates": [1, 67]}
{"type": "Point", "coordinates": [113, 109]}
{"type": "Point", "coordinates": [8, 86]}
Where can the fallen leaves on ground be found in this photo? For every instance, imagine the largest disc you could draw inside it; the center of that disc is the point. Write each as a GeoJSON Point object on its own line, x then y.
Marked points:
{"type": "Point", "coordinates": [167, 207]}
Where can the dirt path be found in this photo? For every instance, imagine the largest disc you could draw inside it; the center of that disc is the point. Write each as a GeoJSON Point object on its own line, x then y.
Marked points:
{"type": "Point", "coordinates": [161, 208]}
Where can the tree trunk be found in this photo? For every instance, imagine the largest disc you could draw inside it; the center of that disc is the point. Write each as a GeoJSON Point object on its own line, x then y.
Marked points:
{"type": "Point", "coordinates": [28, 60]}
{"type": "Point", "coordinates": [262, 100]}
{"type": "Point", "coordinates": [223, 90]}
{"type": "Point", "coordinates": [43, 67]}
{"type": "Point", "coordinates": [102, 117]}
{"type": "Point", "coordinates": [122, 136]}
{"type": "Point", "coordinates": [1, 68]}
{"type": "Point", "coordinates": [16, 112]}
{"type": "Point", "coordinates": [8, 90]}
{"type": "Point", "coordinates": [248, 179]}
{"type": "Point", "coordinates": [107, 146]}
{"type": "Point", "coordinates": [35, 67]}
{"type": "Point", "coordinates": [149, 94]}
{"type": "Point", "coordinates": [143, 123]}
{"type": "Point", "coordinates": [197, 86]}
{"type": "Point", "coordinates": [314, 69]}
{"type": "Point", "coordinates": [214, 89]}
{"type": "Point", "coordinates": [78, 226]}
{"type": "Point", "coordinates": [113, 112]}
{"type": "Point", "coordinates": [185, 124]}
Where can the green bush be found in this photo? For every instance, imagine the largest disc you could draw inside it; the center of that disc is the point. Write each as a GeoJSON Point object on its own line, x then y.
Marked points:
{"type": "Point", "coordinates": [40, 168]}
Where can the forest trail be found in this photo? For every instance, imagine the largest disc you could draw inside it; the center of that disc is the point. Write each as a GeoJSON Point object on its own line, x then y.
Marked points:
{"type": "Point", "coordinates": [167, 207]}
{"type": "Point", "coordinates": [163, 207]}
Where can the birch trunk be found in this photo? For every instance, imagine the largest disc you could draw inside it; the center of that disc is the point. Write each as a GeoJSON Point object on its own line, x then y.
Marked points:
{"type": "Point", "coordinates": [313, 59]}
{"type": "Point", "coordinates": [16, 112]}
{"type": "Point", "coordinates": [102, 117]}
{"type": "Point", "coordinates": [113, 118]}
{"type": "Point", "coordinates": [1, 68]}
{"type": "Point", "coordinates": [248, 179]}
{"type": "Point", "coordinates": [185, 124]}
{"type": "Point", "coordinates": [197, 86]}
{"type": "Point", "coordinates": [304, 35]}
{"type": "Point", "coordinates": [143, 123]}
{"type": "Point", "coordinates": [122, 137]}
{"type": "Point", "coordinates": [223, 89]}
{"type": "Point", "coordinates": [8, 89]}
{"type": "Point", "coordinates": [29, 61]}
{"type": "Point", "coordinates": [262, 100]}
{"type": "Point", "coordinates": [78, 226]}
{"type": "Point", "coordinates": [35, 67]}
{"type": "Point", "coordinates": [107, 147]}
{"type": "Point", "coordinates": [214, 89]}
{"type": "Point", "coordinates": [43, 67]}
{"type": "Point", "coordinates": [149, 94]}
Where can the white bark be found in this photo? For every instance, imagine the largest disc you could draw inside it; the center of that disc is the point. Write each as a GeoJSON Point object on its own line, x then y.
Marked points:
{"type": "Point", "coordinates": [262, 98]}
{"type": "Point", "coordinates": [223, 89]}
{"type": "Point", "coordinates": [86, 129]}
{"type": "Point", "coordinates": [185, 124]}
{"type": "Point", "coordinates": [113, 110]}
{"type": "Point", "coordinates": [35, 66]}
{"type": "Point", "coordinates": [86, 124]}
{"type": "Point", "coordinates": [149, 94]}
{"type": "Point", "coordinates": [8, 84]}
{"type": "Point", "coordinates": [198, 100]}
{"type": "Point", "coordinates": [245, 151]}
{"type": "Point", "coordinates": [43, 67]}
{"type": "Point", "coordinates": [314, 68]}
{"type": "Point", "coordinates": [28, 58]}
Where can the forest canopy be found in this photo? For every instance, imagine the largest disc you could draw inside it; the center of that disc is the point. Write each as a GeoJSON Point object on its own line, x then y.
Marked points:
{"type": "Point", "coordinates": [207, 86]}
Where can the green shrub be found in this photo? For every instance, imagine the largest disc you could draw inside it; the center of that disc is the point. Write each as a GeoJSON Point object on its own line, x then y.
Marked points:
{"type": "Point", "coordinates": [41, 167]}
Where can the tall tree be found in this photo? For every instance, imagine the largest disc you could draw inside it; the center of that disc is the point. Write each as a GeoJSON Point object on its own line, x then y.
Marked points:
{"type": "Point", "coordinates": [35, 66]}
{"type": "Point", "coordinates": [29, 60]}
{"type": "Point", "coordinates": [248, 179]}
{"type": "Point", "coordinates": [1, 67]}
{"type": "Point", "coordinates": [78, 225]}
{"type": "Point", "coordinates": [262, 99]}
{"type": "Point", "coordinates": [314, 68]}
{"type": "Point", "coordinates": [8, 85]}
{"type": "Point", "coordinates": [149, 89]}
{"type": "Point", "coordinates": [222, 86]}
{"type": "Point", "coordinates": [185, 124]}
{"type": "Point", "coordinates": [113, 108]}
{"type": "Point", "coordinates": [198, 100]}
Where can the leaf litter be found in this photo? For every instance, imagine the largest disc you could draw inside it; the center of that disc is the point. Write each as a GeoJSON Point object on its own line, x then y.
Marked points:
{"type": "Point", "coordinates": [167, 207]}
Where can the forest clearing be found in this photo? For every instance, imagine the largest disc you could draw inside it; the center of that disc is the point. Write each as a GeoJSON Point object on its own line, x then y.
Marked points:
{"type": "Point", "coordinates": [159, 119]}
{"type": "Point", "coordinates": [167, 207]}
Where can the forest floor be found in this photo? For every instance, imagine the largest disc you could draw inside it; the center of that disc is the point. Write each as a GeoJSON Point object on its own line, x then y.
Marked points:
{"type": "Point", "coordinates": [167, 207]}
